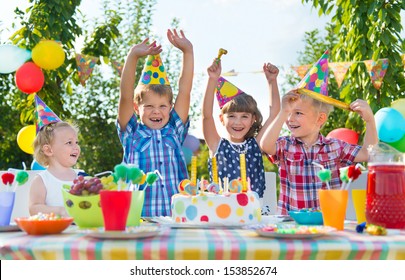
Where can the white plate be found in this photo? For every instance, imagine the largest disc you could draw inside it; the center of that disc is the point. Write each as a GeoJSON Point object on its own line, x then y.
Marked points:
{"type": "Point", "coordinates": [203, 226]}
{"type": "Point", "coordinates": [12, 227]}
{"type": "Point", "coordinates": [130, 233]}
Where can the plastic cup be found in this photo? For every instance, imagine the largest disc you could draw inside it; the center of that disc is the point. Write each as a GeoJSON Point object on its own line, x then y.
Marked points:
{"type": "Point", "coordinates": [135, 211]}
{"type": "Point", "coordinates": [359, 203]}
{"type": "Point", "coordinates": [115, 207]}
{"type": "Point", "coordinates": [6, 207]}
{"type": "Point", "coordinates": [333, 206]}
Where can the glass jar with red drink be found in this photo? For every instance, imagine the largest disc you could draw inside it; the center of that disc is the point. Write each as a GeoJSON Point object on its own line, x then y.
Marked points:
{"type": "Point", "coordinates": [386, 187]}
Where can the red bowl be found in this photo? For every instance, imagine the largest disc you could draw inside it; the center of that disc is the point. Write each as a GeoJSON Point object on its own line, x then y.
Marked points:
{"type": "Point", "coordinates": [40, 227]}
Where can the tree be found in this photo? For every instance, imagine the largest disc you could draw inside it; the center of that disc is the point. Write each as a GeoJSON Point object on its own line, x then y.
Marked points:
{"type": "Point", "coordinates": [367, 29]}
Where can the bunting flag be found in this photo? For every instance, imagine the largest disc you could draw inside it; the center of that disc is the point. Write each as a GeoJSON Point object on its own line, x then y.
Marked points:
{"type": "Point", "coordinates": [85, 66]}
{"type": "Point", "coordinates": [117, 67]}
{"type": "Point", "coordinates": [377, 70]}
{"type": "Point", "coordinates": [301, 70]}
{"type": "Point", "coordinates": [339, 70]}
{"type": "Point", "coordinates": [230, 73]}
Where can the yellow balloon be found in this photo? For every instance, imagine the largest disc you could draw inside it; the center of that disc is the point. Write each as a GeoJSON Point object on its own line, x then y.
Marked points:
{"type": "Point", "coordinates": [399, 105]}
{"type": "Point", "coordinates": [48, 54]}
{"type": "Point", "coordinates": [25, 138]}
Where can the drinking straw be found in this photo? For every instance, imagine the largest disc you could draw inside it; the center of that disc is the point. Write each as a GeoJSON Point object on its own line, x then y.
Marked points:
{"type": "Point", "coordinates": [134, 175]}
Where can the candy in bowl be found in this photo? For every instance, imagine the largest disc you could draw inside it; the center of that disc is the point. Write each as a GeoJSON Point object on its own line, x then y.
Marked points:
{"type": "Point", "coordinates": [307, 217]}
{"type": "Point", "coordinates": [41, 224]}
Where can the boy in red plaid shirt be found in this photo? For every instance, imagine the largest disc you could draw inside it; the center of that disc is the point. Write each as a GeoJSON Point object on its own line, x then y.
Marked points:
{"type": "Point", "coordinates": [295, 154]}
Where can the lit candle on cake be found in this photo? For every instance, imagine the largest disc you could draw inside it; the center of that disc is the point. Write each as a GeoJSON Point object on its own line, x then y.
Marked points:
{"type": "Point", "coordinates": [214, 170]}
{"type": "Point", "coordinates": [194, 170]}
{"type": "Point", "coordinates": [243, 171]}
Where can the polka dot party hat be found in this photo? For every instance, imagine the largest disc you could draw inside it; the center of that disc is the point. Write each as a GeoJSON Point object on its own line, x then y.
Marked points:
{"type": "Point", "coordinates": [43, 114]}
{"type": "Point", "coordinates": [226, 91]}
{"type": "Point", "coordinates": [154, 72]}
{"type": "Point", "coordinates": [316, 79]}
{"type": "Point", "coordinates": [315, 83]}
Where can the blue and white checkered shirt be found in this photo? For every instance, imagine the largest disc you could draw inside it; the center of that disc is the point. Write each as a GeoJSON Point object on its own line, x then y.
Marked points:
{"type": "Point", "coordinates": [157, 149]}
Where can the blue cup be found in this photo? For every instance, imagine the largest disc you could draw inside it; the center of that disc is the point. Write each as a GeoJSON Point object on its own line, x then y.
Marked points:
{"type": "Point", "coordinates": [6, 207]}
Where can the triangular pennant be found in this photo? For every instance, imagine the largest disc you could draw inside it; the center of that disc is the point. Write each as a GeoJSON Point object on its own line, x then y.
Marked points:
{"type": "Point", "coordinates": [44, 115]}
{"type": "Point", "coordinates": [85, 66]}
{"type": "Point", "coordinates": [117, 66]}
{"type": "Point", "coordinates": [339, 70]}
{"type": "Point", "coordinates": [154, 72]}
{"type": "Point", "coordinates": [226, 91]}
{"type": "Point", "coordinates": [301, 70]}
{"type": "Point", "coordinates": [377, 70]}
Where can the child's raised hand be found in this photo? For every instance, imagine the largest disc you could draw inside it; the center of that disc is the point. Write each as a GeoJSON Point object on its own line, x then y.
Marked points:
{"type": "Point", "coordinates": [179, 41]}
{"type": "Point", "coordinates": [214, 71]}
{"type": "Point", "coordinates": [363, 109]}
{"type": "Point", "coordinates": [271, 71]}
{"type": "Point", "coordinates": [144, 49]}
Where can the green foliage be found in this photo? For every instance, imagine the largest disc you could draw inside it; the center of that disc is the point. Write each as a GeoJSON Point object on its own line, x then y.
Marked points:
{"type": "Point", "coordinates": [367, 29]}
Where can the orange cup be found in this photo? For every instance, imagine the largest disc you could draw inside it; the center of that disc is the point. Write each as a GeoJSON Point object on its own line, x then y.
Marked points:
{"type": "Point", "coordinates": [333, 206]}
{"type": "Point", "coordinates": [359, 203]}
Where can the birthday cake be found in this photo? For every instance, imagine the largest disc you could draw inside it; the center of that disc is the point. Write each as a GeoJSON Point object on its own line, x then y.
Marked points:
{"type": "Point", "coordinates": [215, 206]}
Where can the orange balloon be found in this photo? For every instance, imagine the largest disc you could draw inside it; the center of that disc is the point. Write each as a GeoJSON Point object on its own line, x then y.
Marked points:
{"type": "Point", "coordinates": [344, 134]}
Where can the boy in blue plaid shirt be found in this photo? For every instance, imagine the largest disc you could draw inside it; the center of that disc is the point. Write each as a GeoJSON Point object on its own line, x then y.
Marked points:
{"type": "Point", "coordinates": [153, 141]}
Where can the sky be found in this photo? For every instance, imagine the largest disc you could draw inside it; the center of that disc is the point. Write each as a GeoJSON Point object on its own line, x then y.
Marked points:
{"type": "Point", "coordinates": [252, 31]}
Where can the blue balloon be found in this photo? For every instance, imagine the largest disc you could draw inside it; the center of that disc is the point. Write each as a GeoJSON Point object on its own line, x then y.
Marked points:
{"type": "Point", "coordinates": [191, 142]}
{"type": "Point", "coordinates": [187, 154]}
{"type": "Point", "coordinates": [390, 125]}
{"type": "Point", "coordinates": [36, 166]}
{"type": "Point", "coordinates": [12, 57]}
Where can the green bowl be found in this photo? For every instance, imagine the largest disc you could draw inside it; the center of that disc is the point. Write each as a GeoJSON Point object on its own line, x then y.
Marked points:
{"type": "Point", "coordinates": [85, 210]}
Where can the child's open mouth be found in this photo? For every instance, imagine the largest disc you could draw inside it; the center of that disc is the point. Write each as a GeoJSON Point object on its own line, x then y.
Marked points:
{"type": "Point", "coordinates": [155, 120]}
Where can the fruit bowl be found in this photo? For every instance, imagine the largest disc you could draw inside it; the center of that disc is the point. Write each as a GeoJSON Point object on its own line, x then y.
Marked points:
{"type": "Point", "coordinates": [41, 227]}
{"type": "Point", "coordinates": [85, 210]}
{"type": "Point", "coordinates": [307, 217]}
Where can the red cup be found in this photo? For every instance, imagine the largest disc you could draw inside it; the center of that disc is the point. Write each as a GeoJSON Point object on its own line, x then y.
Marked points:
{"type": "Point", "coordinates": [115, 207]}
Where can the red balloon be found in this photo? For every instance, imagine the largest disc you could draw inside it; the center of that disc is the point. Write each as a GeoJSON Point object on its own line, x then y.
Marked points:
{"type": "Point", "coordinates": [29, 78]}
{"type": "Point", "coordinates": [344, 134]}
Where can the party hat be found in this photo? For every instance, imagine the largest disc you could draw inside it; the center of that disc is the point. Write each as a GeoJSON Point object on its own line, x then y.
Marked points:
{"type": "Point", "coordinates": [226, 91]}
{"type": "Point", "coordinates": [44, 115]}
{"type": "Point", "coordinates": [154, 72]}
{"type": "Point", "coordinates": [315, 83]}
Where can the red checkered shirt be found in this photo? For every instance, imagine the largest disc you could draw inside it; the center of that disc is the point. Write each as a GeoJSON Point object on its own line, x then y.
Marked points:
{"type": "Point", "coordinates": [299, 183]}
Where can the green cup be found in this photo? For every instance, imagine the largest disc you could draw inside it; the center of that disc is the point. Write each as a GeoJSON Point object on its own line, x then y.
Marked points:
{"type": "Point", "coordinates": [135, 211]}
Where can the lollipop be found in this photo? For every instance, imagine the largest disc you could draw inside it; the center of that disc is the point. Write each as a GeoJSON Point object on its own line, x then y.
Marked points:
{"type": "Point", "coordinates": [182, 185]}
{"type": "Point", "coordinates": [235, 186]}
{"type": "Point", "coordinates": [135, 176]}
{"type": "Point", "coordinates": [213, 188]}
{"type": "Point", "coordinates": [349, 174]}
{"type": "Point", "coordinates": [324, 174]}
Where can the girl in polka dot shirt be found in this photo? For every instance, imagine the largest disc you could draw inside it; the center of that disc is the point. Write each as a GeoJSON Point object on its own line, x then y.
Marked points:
{"type": "Point", "coordinates": [243, 123]}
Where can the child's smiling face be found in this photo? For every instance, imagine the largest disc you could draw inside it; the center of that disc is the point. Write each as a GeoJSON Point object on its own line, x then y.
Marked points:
{"type": "Point", "coordinates": [237, 125]}
{"type": "Point", "coordinates": [154, 111]}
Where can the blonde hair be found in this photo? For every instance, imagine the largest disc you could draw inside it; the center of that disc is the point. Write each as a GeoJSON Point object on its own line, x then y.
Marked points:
{"type": "Point", "coordinates": [45, 136]}
{"type": "Point", "coordinates": [319, 106]}
{"type": "Point", "coordinates": [162, 90]}
{"type": "Point", "coordinates": [245, 103]}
